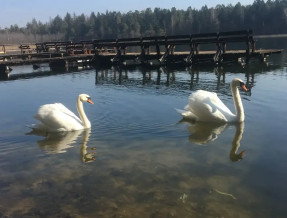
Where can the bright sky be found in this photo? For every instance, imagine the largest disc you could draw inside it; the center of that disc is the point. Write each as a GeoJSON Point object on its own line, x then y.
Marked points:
{"type": "Point", "coordinates": [22, 11]}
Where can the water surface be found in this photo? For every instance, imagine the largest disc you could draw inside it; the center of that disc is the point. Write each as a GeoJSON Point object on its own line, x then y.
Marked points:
{"type": "Point", "coordinates": [139, 159]}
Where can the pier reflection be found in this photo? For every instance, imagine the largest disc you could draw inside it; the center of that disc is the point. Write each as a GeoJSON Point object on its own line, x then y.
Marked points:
{"type": "Point", "coordinates": [187, 78]}
{"type": "Point", "coordinates": [178, 76]}
{"type": "Point", "coordinates": [60, 142]}
{"type": "Point", "coordinates": [204, 133]}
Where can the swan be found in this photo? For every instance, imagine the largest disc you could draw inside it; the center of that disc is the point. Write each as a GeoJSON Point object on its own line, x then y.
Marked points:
{"type": "Point", "coordinates": [57, 118]}
{"type": "Point", "coordinates": [207, 107]}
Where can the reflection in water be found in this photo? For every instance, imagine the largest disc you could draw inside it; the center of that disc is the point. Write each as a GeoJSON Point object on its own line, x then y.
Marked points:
{"type": "Point", "coordinates": [219, 73]}
{"type": "Point", "coordinates": [234, 156]}
{"type": "Point", "coordinates": [171, 77]}
{"type": "Point", "coordinates": [87, 156]}
{"type": "Point", "coordinates": [203, 133]}
{"type": "Point", "coordinates": [193, 72]}
{"type": "Point", "coordinates": [59, 142]}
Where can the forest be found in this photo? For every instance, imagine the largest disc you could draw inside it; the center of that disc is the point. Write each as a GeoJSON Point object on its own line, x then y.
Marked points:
{"type": "Point", "coordinates": [263, 17]}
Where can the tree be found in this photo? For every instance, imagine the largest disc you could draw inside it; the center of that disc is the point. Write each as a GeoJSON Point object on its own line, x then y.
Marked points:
{"type": "Point", "coordinates": [268, 17]}
{"type": "Point", "coordinates": [68, 27]}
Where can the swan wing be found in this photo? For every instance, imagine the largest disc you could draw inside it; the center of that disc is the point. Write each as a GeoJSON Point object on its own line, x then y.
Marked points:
{"type": "Point", "coordinates": [56, 117]}
{"type": "Point", "coordinates": [208, 107]}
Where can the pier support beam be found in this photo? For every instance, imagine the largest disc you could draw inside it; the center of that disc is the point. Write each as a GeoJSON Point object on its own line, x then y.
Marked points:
{"type": "Point", "coordinates": [58, 65]}
{"type": "Point", "coordinates": [217, 58]}
{"type": "Point", "coordinates": [4, 71]}
{"type": "Point", "coordinates": [189, 58]}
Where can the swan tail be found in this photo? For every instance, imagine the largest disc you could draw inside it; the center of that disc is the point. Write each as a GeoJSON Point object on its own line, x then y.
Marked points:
{"type": "Point", "coordinates": [34, 130]}
{"type": "Point", "coordinates": [37, 127]}
{"type": "Point", "coordinates": [32, 126]}
{"type": "Point", "coordinates": [186, 114]}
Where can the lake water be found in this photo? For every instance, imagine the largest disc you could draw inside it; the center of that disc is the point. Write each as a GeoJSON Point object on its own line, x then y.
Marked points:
{"type": "Point", "coordinates": [139, 159]}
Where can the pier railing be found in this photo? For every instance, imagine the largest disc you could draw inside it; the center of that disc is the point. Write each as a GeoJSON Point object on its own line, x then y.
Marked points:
{"type": "Point", "coordinates": [193, 41]}
{"type": "Point", "coordinates": [120, 45]}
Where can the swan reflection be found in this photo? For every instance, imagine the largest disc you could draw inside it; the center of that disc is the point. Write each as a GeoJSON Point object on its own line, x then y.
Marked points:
{"type": "Point", "coordinates": [203, 133]}
{"type": "Point", "coordinates": [234, 155]}
{"type": "Point", "coordinates": [59, 142]}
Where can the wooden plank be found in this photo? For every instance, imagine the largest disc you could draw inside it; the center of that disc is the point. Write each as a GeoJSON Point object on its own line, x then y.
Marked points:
{"type": "Point", "coordinates": [235, 33]}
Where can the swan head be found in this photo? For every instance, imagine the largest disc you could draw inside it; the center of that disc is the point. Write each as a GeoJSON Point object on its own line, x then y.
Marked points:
{"type": "Point", "coordinates": [85, 98]}
{"type": "Point", "coordinates": [238, 83]}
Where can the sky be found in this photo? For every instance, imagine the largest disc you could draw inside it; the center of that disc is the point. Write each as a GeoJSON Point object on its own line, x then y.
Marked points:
{"type": "Point", "coordinates": [21, 12]}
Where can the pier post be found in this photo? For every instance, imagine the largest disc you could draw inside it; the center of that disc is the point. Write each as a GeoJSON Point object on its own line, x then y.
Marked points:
{"type": "Point", "coordinates": [167, 50]}
{"type": "Point", "coordinates": [217, 57]}
{"type": "Point", "coordinates": [58, 65]}
{"type": "Point", "coordinates": [117, 58]}
{"type": "Point", "coordinates": [4, 71]}
{"type": "Point", "coordinates": [191, 53]}
{"type": "Point", "coordinates": [223, 45]}
{"type": "Point", "coordinates": [157, 48]}
{"type": "Point", "coordinates": [196, 48]}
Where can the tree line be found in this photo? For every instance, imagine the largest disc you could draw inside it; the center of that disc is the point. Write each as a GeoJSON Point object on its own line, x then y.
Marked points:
{"type": "Point", "coordinates": [268, 17]}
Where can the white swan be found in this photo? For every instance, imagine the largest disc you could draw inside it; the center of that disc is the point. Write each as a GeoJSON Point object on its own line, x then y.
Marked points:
{"type": "Point", "coordinates": [57, 118]}
{"type": "Point", "coordinates": [207, 107]}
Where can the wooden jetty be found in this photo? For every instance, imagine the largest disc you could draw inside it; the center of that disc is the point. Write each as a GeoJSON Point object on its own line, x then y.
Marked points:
{"type": "Point", "coordinates": [157, 50]}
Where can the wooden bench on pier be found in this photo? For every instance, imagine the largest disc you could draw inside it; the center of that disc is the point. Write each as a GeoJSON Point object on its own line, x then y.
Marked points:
{"type": "Point", "coordinates": [53, 46]}
{"type": "Point", "coordinates": [25, 49]}
{"type": "Point", "coordinates": [82, 47]}
{"type": "Point", "coordinates": [193, 41]}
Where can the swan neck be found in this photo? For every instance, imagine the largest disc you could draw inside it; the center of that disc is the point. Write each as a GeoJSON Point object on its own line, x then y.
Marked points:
{"type": "Point", "coordinates": [82, 114]}
{"type": "Point", "coordinates": [239, 110]}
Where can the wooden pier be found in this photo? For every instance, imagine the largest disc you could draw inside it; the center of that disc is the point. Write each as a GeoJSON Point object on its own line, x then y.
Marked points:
{"type": "Point", "coordinates": [194, 49]}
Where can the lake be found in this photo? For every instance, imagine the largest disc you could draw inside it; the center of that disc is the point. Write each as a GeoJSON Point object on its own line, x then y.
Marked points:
{"type": "Point", "coordinates": [140, 159]}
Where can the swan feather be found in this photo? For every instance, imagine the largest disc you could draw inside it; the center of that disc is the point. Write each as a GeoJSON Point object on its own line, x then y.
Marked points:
{"type": "Point", "coordinates": [56, 117]}
{"type": "Point", "coordinates": [207, 107]}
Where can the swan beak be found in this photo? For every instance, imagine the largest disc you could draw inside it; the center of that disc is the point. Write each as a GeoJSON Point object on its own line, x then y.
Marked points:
{"type": "Point", "coordinates": [241, 154]}
{"type": "Point", "coordinates": [243, 87]}
{"type": "Point", "coordinates": [90, 101]}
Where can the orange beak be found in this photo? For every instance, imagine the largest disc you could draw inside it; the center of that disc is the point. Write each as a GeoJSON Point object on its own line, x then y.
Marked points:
{"type": "Point", "coordinates": [244, 87]}
{"type": "Point", "coordinates": [90, 101]}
